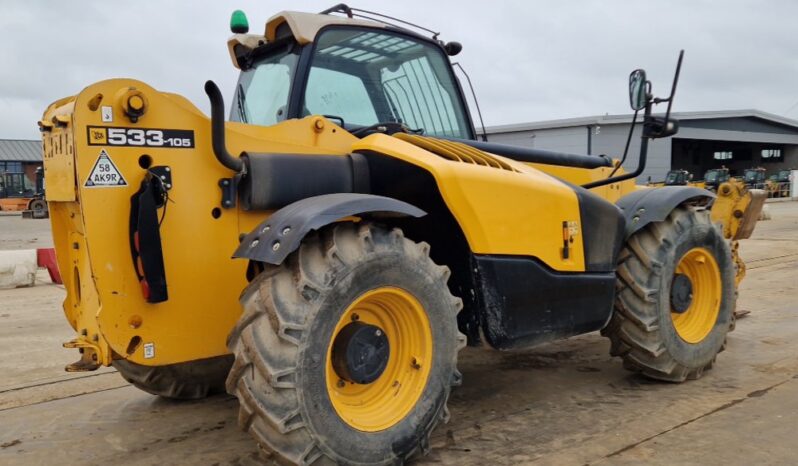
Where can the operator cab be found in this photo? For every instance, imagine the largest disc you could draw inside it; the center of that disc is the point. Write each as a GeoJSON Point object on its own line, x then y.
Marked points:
{"type": "Point", "coordinates": [366, 77]}
{"type": "Point", "coordinates": [754, 177]}
{"type": "Point", "coordinates": [15, 185]}
{"type": "Point", "coordinates": [677, 178]}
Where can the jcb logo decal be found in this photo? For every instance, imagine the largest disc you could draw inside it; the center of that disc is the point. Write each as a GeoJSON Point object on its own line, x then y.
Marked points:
{"type": "Point", "coordinates": [140, 137]}
{"type": "Point", "coordinates": [97, 136]}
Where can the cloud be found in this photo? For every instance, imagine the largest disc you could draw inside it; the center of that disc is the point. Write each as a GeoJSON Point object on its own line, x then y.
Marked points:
{"type": "Point", "coordinates": [529, 60]}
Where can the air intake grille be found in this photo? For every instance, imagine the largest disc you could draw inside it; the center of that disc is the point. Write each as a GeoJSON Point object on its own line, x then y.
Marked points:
{"type": "Point", "coordinates": [455, 151]}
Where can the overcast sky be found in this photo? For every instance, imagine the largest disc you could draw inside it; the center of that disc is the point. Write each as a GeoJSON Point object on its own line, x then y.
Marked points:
{"type": "Point", "coordinates": [528, 60]}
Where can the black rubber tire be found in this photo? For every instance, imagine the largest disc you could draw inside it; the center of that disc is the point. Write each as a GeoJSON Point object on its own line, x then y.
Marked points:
{"type": "Point", "coordinates": [280, 346]}
{"type": "Point", "coordinates": [184, 381]}
{"type": "Point", "coordinates": [38, 205]}
{"type": "Point", "coordinates": [641, 330]}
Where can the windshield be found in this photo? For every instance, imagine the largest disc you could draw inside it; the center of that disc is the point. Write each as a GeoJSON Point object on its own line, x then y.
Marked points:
{"type": "Point", "coordinates": [363, 77]}
{"type": "Point", "coordinates": [673, 177]}
{"type": "Point", "coordinates": [261, 96]}
{"type": "Point", "coordinates": [750, 175]}
{"type": "Point", "coordinates": [712, 176]}
{"type": "Point", "coordinates": [784, 176]}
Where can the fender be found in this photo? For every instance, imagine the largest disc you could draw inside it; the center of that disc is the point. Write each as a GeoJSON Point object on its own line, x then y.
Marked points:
{"type": "Point", "coordinates": [280, 234]}
{"type": "Point", "coordinates": [654, 205]}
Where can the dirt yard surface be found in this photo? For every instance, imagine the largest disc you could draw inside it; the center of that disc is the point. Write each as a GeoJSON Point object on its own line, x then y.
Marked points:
{"type": "Point", "coordinates": [562, 403]}
{"type": "Point", "coordinates": [19, 233]}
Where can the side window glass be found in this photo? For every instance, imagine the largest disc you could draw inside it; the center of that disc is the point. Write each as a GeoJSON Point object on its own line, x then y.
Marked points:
{"type": "Point", "coordinates": [419, 99]}
{"type": "Point", "coordinates": [266, 101]}
{"type": "Point", "coordinates": [338, 94]}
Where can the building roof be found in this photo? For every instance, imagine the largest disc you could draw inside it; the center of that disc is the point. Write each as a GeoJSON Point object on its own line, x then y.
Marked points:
{"type": "Point", "coordinates": [627, 118]}
{"type": "Point", "coordinates": [20, 150]}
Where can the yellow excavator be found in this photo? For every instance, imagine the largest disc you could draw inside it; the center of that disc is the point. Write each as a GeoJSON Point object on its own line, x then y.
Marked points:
{"type": "Point", "coordinates": [325, 253]}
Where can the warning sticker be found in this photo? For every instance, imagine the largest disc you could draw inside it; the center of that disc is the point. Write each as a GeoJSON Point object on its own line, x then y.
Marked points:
{"type": "Point", "coordinates": [105, 173]}
{"type": "Point", "coordinates": [149, 350]}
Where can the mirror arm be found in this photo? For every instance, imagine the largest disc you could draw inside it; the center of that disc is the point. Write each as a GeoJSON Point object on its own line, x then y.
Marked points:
{"type": "Point", "coordinates": [641, 163]}
{"type": "Point", "coordinates": [644, 137]}
{"type": "Point", "coordinates": [673, 87]}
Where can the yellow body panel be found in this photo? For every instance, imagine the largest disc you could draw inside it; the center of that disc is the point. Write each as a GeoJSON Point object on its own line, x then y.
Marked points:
{"type": "Point", "coordinates": [90, 226]}
{"type": "Point", "coordinates": [500, 212]}
{"type": "Point", "coordinates": [579, 176]}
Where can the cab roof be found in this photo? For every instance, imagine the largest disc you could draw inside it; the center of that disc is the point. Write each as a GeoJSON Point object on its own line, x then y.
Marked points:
{"type": "Point", "coordinates": [302, 26]}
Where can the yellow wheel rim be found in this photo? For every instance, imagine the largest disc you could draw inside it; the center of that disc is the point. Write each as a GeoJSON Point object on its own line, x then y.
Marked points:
{"type": "Point", "coordinates": [695, 323]}
{"type": "Point", "coordinates": [384, 402]}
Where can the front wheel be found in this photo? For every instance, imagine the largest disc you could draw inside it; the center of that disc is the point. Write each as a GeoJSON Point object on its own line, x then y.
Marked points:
{"type": "Point", "coordinates": [346, 353]}
{"type": "Point", "coordinates": [675, 298]}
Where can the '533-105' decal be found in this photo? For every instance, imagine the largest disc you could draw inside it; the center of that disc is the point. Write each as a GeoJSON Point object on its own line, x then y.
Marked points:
{"type": "Point", "coordinates": [143, 137]}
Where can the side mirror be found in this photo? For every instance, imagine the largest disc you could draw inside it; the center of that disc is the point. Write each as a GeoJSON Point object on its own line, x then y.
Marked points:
{"type": "Point", "coordinates": [453, 48]}
{"type": "Point", "coordinates": [638, 95]}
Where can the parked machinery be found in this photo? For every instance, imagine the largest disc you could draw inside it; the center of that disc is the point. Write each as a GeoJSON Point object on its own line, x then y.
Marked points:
{"type": "Point", "coordinates": [755, 178]}
{"type": "Point", "coordinates": [17, 193]}
{"type": "Point", "coordinates": [714, 177]}
{"type": "Point", "coordinates": [781, 183]}
{"type": "Point", "coordinates": [678, 178]}
{"type": "Point", "coordinates": [373, 236]}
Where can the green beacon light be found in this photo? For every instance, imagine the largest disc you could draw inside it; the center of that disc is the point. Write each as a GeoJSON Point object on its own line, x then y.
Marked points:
{"type": "Point", "coordinates": [239, 23]}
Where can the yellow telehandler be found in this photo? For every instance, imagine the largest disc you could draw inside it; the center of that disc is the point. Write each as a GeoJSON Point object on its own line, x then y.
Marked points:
{"type": "Point", "coordinates": [372, 236]}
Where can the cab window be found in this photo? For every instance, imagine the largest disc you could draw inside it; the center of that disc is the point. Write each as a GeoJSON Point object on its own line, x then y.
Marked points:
{"type": "Point", "coordinates": [364, 77]}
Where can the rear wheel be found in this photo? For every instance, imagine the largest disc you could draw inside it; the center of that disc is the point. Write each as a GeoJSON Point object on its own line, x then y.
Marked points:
{"type": "Point", "coordinates": [183, 381]}
{"type": "Point", "coordinates": [38, 205]}
{"type": "Point", "coordinates": [346, 353]}
{"type": "Point", "coordinates": [675, 299]}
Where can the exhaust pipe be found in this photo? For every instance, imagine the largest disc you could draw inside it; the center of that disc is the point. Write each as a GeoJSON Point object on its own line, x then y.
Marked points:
{"type": "Point", "coordinates": [217, 130]}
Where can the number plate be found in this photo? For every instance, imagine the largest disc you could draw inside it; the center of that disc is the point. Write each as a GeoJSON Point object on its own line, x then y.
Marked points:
{"type": "Point", "coordinates": [140, 137]}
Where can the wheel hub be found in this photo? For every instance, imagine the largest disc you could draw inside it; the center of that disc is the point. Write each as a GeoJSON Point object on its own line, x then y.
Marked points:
{"type": "Point", "coordinates": [681, 293]}
{"type": "Point", "coordinates": [360, 353]}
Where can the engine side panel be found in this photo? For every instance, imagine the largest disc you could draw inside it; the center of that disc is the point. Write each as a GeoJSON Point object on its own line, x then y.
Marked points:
{"type": "Point", "coordinates": [521, 211]}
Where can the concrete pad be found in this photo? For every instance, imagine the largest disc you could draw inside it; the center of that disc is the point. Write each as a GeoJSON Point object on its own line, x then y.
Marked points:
{"type": "Point", "coordinates": [19, 233]}
{"type": "Point", "coordinates": [759, 428]}
{"type": "Point", "coordinates": [564, 403]}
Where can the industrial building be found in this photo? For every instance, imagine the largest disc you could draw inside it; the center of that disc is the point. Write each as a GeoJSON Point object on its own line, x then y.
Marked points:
{"type": "Point", "coordinates": [735, 139]}
{"type": "Point", "coordinates": [21, 156]}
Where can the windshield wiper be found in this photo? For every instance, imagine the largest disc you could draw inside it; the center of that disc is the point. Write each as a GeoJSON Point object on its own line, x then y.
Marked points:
{"type": "Point", "coordinates": [240, 99]}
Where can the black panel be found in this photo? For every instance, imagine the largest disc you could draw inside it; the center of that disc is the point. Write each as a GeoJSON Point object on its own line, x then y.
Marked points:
{"type": "Point", "coordinates": [654, 205]}
{"type": "Point", "coordinates": [276, 180]}
{"type": "Point", "coordinates": [525, 154]}
{"type": "Point", "coordinates": [523, 303]}
{"type": "Point", "coordinates": [400, 180]}
{"type": "Point", "coordinates": [602, 231]}
{"type": "Point", "coordinates": [280, 234]}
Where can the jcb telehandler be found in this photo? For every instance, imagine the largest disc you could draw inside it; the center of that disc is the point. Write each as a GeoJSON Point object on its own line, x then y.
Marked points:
{"type": "Point", "coordinates": [372, 234]}
{"type": "Point", "coordinates": [714, 177]}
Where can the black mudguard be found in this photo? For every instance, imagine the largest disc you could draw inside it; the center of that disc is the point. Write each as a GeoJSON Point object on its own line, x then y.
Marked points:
{"type": "Point", "coordinates": [280, 235]}
{"type": "Point", "coordinates": [654, 205]}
